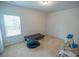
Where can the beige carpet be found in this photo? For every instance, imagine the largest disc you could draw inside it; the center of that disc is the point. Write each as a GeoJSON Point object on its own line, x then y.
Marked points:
{"type": "Point", "coordinates": [48, 48]}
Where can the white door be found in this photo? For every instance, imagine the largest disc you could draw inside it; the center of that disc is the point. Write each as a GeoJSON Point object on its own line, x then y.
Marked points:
{"type": "Point", "coordinates": [1, 43]}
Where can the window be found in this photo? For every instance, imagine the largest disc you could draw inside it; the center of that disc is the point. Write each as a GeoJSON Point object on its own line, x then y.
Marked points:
{"type": "Point", "coordinates": [12, 25]}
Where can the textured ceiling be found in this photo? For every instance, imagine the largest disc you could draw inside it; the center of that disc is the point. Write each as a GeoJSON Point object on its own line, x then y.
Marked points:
{"type": "Point", "coordinates": [53, 7]}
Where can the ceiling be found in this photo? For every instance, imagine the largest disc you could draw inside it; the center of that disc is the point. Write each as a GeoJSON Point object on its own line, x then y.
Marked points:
{"type": "Point", "coordinates": [53, 7]}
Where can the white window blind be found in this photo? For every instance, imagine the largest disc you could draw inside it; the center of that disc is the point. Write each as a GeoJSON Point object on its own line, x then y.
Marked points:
{"type": "Point", "coordinates": [12, 25]}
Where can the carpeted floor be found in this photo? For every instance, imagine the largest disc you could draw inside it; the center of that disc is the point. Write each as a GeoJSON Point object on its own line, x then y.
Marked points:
{"type": "Point", "coordinates": [48, 48]}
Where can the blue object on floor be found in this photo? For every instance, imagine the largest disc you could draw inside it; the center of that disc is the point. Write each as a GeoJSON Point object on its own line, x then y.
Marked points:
{"type": "Point", "coordinates": [33, 44]}
{"type": "Point", "coordinates": [73, 45]}
{"type": "Point", "coordinates": [70, 36]}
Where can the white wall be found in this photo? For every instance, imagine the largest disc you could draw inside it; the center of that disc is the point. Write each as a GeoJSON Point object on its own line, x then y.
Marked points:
{"type": "Point", "coordinates": [62, 22]}
{"type": "Point", "coordinates": [32, 21]}
{"type": "Point", "coordinates": [58, 24]}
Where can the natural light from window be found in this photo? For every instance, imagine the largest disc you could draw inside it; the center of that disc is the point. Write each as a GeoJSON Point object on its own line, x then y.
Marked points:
{"type": "Point", "coordinates": [12, 25]}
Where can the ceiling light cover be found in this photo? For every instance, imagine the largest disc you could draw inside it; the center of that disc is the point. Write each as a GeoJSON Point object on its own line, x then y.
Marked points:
{"type": "Point", "coordinates": [45, 2]}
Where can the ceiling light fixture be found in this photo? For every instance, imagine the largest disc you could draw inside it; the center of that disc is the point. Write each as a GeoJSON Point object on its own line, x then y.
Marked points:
{"type": "Point", "coordinates": [45, 2]}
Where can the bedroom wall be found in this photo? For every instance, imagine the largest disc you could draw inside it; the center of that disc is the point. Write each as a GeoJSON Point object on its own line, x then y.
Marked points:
{"type": "Point", "coordinates": [32, 21]}
{"type": "Point", "coordinates": [61, 23]}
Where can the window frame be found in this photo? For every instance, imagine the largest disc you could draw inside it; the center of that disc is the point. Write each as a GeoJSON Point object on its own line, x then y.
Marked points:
{"type": "Point", "coordinates": [6, 29]}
